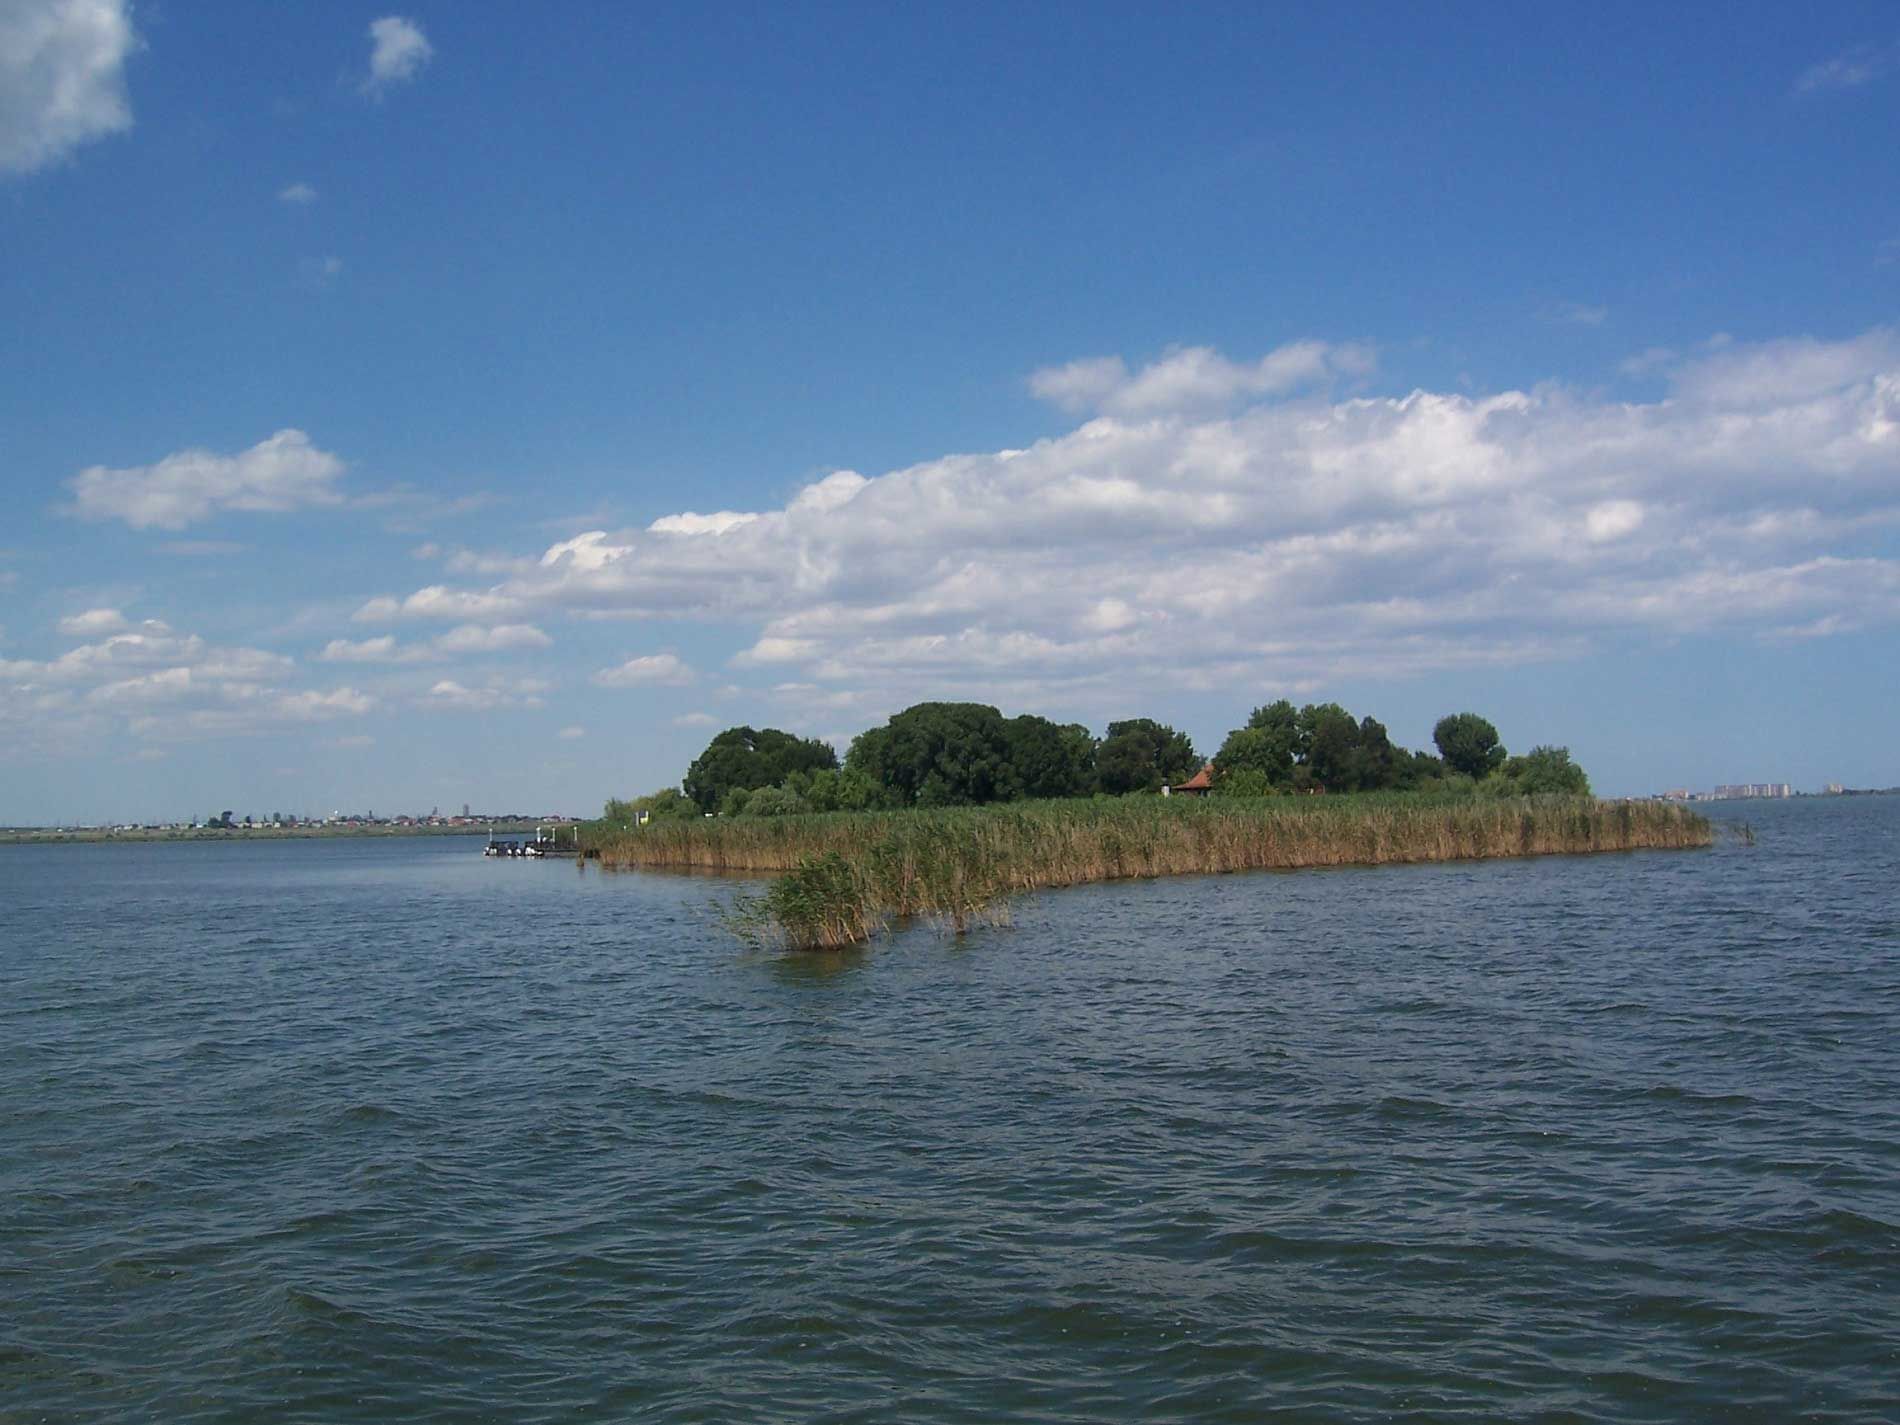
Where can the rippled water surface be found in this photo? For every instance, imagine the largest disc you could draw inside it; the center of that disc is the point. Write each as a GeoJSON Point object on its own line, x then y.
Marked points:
{"type": "Point", "coordinates": [355, 1130]}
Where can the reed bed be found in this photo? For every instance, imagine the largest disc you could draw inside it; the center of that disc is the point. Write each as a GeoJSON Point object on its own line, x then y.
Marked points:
{"type": "Point", "coordinates": [841, 875]}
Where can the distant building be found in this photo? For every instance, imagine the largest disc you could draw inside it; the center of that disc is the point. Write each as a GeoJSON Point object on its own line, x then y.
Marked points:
{"type": "Point", "coordinates": [1745, 791]}
{"type": "Point", "coordinates": [1199, 785]}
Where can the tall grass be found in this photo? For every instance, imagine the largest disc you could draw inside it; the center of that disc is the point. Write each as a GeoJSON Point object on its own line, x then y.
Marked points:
{"type": "Point", "coordinates": [845, 872]}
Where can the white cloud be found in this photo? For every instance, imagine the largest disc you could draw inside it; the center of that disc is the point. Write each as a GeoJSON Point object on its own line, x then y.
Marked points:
{"type": "Point", "coordinates": [495, 693]}
{"type": "Point", "coordinates": [285, 472]}
{"type": "Point", "coordinates": [721, 522]}
{"type": "Point", "coordinates": [62, 78]}
{"type": "Point", "coordinates": [468, 639]}
{"type": "Point", "coordinates": [319, 272]}
{"type": "Point", "coordinates": [148, 681]}
{"type": "Point", "coordinates": [373, 650]}
{"type": "Point", "coordinates": [571, 734]}
{"type": "Point", "coordinates": [1849, 70]}
{"type": "Point", "coordinates": [695, 719]}
{"type": "Point", "coordinates": [93, 622]}
{"type": "Point", "coordinates": [297, 193]}
{"type": "Point", "coordinates": [1080, 385]}
{"type": "Point", "coordinates": [1194, 378]}
{"type": "Point", "coordinates": [505, 638]}
{"type": "Point", "coordinates": [315, 706]}
{"type": "Point", "coordinates": [1577, 314]}
{"type": "Point", "coordinates": [397, 51]}
{"type": "Point", "coordinates": [655, 669]}
{"type": "Point", "coordinates": [437, 601]}
{"type": "Point", "coordinates": [1287, 541]}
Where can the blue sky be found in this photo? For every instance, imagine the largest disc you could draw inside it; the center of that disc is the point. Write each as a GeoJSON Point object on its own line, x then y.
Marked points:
{"type": "Point", "coordinates": [487, 404]}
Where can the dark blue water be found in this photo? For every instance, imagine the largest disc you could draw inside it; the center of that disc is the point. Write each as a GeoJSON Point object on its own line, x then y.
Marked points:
{"type": "Point", "coordinates": [374, 1131]}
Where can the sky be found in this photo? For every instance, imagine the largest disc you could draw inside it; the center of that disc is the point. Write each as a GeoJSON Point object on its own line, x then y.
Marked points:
{"type": "Point", "coordinates": [487, 404]}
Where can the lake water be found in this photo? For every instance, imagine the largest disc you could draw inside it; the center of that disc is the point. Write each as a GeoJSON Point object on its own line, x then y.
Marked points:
{"type": "Point", "coordinates": [382, 1130]}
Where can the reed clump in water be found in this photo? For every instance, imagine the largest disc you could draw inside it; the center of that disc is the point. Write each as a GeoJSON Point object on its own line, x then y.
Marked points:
{"type": "Point", "coordinates": [844, 873]}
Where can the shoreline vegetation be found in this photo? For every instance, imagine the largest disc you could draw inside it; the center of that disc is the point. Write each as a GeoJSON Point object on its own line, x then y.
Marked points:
{"type": "Point", "coordinates": [950, 809]}
{"type": "Point", "coordinates": [843, 876]}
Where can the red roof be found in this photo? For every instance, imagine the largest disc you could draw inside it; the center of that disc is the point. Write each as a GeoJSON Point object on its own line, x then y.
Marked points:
{"type": "Point", "coordinates": [1201, 781]}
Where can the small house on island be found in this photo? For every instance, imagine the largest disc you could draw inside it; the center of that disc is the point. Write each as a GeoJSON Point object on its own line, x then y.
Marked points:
{"type": "Point", "coordinates": [1199, 785]}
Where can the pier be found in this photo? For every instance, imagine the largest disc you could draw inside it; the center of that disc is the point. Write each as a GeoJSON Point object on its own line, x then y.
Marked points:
{"type": "Point", "coordinates": [546, 843]}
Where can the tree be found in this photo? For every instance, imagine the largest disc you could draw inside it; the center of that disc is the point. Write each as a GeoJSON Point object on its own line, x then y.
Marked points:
{"type": "Point", "coordinates": [846, 790]}
{"type": "Point", "coordinates": [1330, 739]}
{"type": "Point", "coordinates": [939, 754]}
{"type": "Point", "coordinates": [1541, 770]}
{"type": "Point", "coordinates": [1243, 781]}
{"type": "Point", "coordinates": [741, 758]}
{"type": "Point", "coordinates": [1376, 763]}
{"type": "Point", "coordinates": [773, 801]}
{"type": "Point", "coordinates": [1140, 754]}
{"type": "Point", "coordinates": [1267, 745]}
{"type": "Point", "coordinates": [1468, 744]}
{"type": "Point", "coordinates": [1050, 759]}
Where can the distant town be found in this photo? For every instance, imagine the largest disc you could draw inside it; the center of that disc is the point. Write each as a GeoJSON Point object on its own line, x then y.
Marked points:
{"type": "Point", "coordinates": [337, 823]}
{"type": "Point", "coordinates": [1769, 791]}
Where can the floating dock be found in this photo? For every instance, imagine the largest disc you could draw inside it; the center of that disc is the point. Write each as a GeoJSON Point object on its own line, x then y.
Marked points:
{"type": "Point", "coordinates": [545, 843]}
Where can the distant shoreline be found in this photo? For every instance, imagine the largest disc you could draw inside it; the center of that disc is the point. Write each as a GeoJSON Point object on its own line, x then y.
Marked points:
{"type": "Point", "coordinates": [58, 836]}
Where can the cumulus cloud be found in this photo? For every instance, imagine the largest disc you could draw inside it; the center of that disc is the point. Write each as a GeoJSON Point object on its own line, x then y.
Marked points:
{"type": "Point", "coordinates": [437, 601]}
{"type": "Point", "coordinates": [397, 51]}
{"type": "Point", "coordinates": [504, 638]}
{"type": "Point", "coordinates": [468, 639]}
{"type": "Point", "coordinates": [494, 693]}
{"type": "Point", "coordinates": [695, 719]}
{"type": "Point", "coordinates": [657, 669]}
{"type": "Point", "coordinates": [374, 650]}
{"type": "Point", "coordinates": [297, 193]}
{"type": "Point", "coordinates": [571, 734]}
{"type": "Point", "coordinates": [1290, 539]}
{"type": "Point", "coordinates": [285, 472]}
{"type": "Point", "coordinates": [1194, 378]}
{"type": "Point", "coordinates": [150, 681]}
{"type": "Point", "coordinates": [62, 78]}
{"type": "Point", "coordinates": [93, 622]}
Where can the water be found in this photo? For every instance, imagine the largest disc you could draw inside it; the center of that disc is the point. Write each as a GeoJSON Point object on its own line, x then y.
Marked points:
{"type": "Point", "coordinates": [383, 1130]}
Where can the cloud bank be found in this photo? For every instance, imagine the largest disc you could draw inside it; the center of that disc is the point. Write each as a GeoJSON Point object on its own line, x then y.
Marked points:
{"type": "Point", "coordinates": [156, 684]}
{"type": "Point", "coordinates": [1288, 540]}
{"type": "Point", "coordinates": [62, 78]}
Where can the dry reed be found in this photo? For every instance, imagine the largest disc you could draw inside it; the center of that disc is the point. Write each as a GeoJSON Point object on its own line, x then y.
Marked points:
{"type": "Point", "coordinates": [962, 864]}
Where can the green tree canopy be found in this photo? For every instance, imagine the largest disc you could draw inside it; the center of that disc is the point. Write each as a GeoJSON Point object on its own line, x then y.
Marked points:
{"type": "Point", "coordinates": [939, 754]}
{"type": "Point", "coordinates": [845, 790]}
{"type": "Point", "coordinates": [1330, 739]}
{"type": "Point", "coordinates": [1140, 754]}
{"type": "Point", "coordinates": [1050, 759]}
{"type": "Point", "coordinates": [1266, 746]}
{"type": "Point", "coordinates": [741, 758]}
{"type": "Point", "coordinates": [1468, 744]}
{"type": "Point", "coordinates": [1542, 769]}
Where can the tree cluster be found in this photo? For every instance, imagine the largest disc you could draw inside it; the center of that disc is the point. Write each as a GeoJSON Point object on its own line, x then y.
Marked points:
{"type": "Point", "coordinates": [941, 754]}
{"type": "Point", "coordinates": [741, 759]}
{"type": "Point", "coordinates": [1321, 748]}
